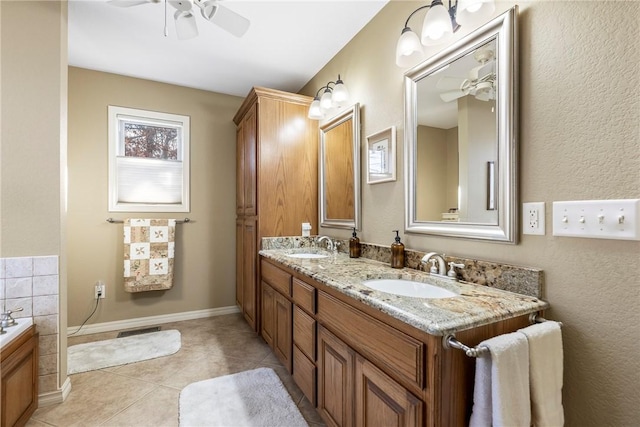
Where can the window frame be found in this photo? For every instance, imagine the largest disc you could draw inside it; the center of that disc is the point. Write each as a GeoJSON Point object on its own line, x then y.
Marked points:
{"type": "Point", "coordinates": [116, 148]}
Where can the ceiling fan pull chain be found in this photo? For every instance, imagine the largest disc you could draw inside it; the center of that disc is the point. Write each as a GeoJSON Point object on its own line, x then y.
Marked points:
{"type": "Point", "coordinates": [166, 31]}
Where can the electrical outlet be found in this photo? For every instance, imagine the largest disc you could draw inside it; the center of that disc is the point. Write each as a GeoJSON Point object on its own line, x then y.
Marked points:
{"type": "Point", "coordinates": [533, 218]}
{"type": "Point", "coordinates": [100, 289]}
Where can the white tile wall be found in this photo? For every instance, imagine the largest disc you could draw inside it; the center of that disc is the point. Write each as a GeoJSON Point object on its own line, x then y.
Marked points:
{"type": "Point", "coordinates": [32, 283]}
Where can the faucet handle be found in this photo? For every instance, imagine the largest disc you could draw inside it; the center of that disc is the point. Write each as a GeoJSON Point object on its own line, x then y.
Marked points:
{"type": "Point", "coordinates": [452, 269]}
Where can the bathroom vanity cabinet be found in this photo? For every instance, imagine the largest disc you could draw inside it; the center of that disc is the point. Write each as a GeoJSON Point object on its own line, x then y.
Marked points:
{"type": "Point", "coordinates": [19, 379]}
{"type": "Point", "coordinates": [276, 181]}
{"type": "Point", "coordinates": [360, 366]}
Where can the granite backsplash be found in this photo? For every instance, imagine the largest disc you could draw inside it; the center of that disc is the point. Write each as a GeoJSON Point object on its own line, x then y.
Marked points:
{"type": "Point", "coordinates": [522, 280]}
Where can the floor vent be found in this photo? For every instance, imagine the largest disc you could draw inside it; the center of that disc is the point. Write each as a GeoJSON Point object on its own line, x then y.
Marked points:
{"type": "Point", "coordinates": [138, 331]}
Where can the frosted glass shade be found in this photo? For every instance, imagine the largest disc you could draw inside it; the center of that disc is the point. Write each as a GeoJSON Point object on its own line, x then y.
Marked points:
{"type": "Point", "coordinates": [186, 27]}
{"type": "Point", "coordinates": [315, 112]}
{"type": "Point", "coordinates": [408, 50]}
{"type": "Point", "coordinates": [437, 27]}
{"type": "Point", "coordinates": [473, 13]}
{"type": "Point", "coordinates": [325, 100]}
{"type": "Point", "coordinates": [340, 95]}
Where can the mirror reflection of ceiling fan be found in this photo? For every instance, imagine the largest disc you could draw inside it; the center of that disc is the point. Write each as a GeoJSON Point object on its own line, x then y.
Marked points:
{"type": "Point", "coordinates": [480, 83]}
{"type": "Point", "coordinates": [186, 27]}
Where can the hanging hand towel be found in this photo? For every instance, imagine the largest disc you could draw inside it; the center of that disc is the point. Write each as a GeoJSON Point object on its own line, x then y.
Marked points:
{"type": "Point", "coordinates": [545, 373]}
{"type": "Point", "coordinates": [501, 393]}
{"type": "Point", "coordinates": [148, 254]}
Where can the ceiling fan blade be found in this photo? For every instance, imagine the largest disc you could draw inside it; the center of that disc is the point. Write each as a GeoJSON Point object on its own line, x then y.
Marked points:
{"type": "Point", "coordinates": [450, 83]}
{"type": "Point", "coordinates": [129, 3]}
{"type": "Point", "coordinates": [225, 18]}
{"type": "Point", "coordinates": [186, 27]}
{"type": "Point", "coordinates": [452, 95]}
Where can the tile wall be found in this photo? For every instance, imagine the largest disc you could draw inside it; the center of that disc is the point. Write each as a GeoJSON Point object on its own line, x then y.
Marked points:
{"type": "Point", "coordinates": [32, 283]}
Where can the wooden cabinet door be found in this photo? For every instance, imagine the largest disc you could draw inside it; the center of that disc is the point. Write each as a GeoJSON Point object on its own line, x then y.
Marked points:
{"type": "Point", "coordinates": [268, 321]}
{"type": "Point", "coordinates": [249, 135]}
{"type": "Point", "coordinates": [249, 285]}
{"type": "Point", "coordinates": [239, 263]}
{"type": "Point", "coordinates": [239, 171]}
{"type": "Point", "coordinates": [19, 380]}
{"type": "Point", "coordinates": [282, 344]}
{"type": "Point", "coordinates": [336, 365]}
{"type": "Point", "coordinates": [381, 401]}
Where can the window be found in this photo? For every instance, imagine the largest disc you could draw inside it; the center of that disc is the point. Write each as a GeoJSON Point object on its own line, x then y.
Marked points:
{"type": "Point", "coordinates": [148, 161]}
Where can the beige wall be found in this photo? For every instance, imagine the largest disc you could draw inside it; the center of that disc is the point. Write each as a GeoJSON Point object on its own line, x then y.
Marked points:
{"type": "Point", "coordinates": [579, 139]}
{"type": "Point", "coordinates": [33, 144]}
{"type": "Point", "coordinates": [205, 251]}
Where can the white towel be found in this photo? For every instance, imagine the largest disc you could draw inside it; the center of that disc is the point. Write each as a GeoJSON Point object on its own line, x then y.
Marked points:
{"type": "Point", "coordinates": [545, 373]}
{"type": "Point", "coordinates": [504, 401]}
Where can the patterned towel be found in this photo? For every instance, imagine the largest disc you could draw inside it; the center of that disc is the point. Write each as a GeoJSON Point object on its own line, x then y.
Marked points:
{"type": "Point", "coordinates": [148, 254]}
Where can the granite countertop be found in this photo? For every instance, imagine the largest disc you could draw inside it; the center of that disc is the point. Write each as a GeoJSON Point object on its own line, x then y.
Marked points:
{"type": "Point", "coordinates": [475, 305]}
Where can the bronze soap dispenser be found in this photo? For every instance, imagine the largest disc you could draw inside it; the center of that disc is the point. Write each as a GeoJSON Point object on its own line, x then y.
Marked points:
{"type": "Point", "coordinates": [354, 245]}
{"type": "Point", "coordinates": [397, 252]}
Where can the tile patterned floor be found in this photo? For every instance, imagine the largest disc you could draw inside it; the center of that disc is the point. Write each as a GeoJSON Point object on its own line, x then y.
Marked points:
{"type": "Point", "coordinates": [146, 393]}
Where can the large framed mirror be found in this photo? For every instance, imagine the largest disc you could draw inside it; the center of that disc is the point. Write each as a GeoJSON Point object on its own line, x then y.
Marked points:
{"type": "Point", "coordinates": [339, 168]}
{"type": "Point", "coordinates": [461, 137]}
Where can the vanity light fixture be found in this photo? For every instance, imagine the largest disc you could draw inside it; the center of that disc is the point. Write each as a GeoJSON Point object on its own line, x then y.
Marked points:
{"type": "Point", "coordinates": [438, 26]}
{"type": "Point", "coordinates": [333, 97]}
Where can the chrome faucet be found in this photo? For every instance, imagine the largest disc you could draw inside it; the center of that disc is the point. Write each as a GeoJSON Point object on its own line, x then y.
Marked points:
{"type": "Point", "coordinates": [434, 257]}
{"type": "Point", "coordinates": [331, 245]}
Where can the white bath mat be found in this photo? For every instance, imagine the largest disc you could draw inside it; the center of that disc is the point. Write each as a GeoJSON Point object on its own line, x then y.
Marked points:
{"type": "Point", "coordinates": [121, 351]}
{"type": "Point", "coordinates": [250, 398]}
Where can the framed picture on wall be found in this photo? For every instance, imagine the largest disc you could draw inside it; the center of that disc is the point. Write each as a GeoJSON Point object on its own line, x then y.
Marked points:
{"type": "Point", "coordinates": [381, 156]}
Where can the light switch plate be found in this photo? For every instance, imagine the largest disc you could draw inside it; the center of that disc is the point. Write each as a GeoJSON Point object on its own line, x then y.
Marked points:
{"type": "Point", "coordinates": [598, 219]}
{"type": "Point", "coordinates": [533, 218]}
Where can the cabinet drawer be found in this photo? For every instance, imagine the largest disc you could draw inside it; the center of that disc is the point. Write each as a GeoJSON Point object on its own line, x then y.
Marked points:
{"type": "Point", "coordinates": [304, 295]}
{"type": "Point", "coordinates": [279, 280]}
{"type": "Point", "coordinates": [304, 332]}
{"type": "Point", "coordinates": [304, 374]}
{"type": "Point", "coordinates": [390, 349]}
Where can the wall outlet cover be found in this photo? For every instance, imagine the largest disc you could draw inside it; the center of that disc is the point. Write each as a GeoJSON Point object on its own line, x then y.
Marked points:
{"type": "Point", "coordinates": [533, 221]}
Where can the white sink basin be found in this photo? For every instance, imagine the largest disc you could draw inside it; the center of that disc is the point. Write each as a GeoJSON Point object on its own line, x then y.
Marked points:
{"type": "Point", "coordinates": [409, 288]}
{"type": "Point", "coordinates": [307, 255]}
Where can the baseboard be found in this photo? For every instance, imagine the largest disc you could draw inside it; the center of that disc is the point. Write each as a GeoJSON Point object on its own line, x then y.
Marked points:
{"type": "Point", "coordinates": [55, 397]}
{"type": "Point", "coordinates": [150, 321]}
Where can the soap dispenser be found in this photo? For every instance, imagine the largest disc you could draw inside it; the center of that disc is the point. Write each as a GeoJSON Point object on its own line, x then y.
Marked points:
{"type": "Point", "coordinates": [354, 245]}
{"type": "Point", "coordinates": [397, 252]}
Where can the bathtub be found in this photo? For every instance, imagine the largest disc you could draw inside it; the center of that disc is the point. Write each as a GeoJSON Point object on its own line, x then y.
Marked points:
{"type": "Point", "coordinates": [13, 331]}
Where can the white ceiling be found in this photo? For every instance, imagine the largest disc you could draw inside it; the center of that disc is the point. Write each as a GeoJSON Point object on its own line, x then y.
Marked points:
{"type": "Point", "coordinates": [287, 43]}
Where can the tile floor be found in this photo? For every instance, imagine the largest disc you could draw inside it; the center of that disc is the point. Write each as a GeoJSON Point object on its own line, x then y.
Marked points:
{"type": "Point", "coordinates": [146, 393]}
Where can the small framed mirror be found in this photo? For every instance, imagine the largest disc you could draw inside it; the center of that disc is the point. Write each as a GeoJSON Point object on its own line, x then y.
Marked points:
{"type": "Point", "coordinates": [461, 137]}
{"type": "Point", "coordinates": [339, 169]}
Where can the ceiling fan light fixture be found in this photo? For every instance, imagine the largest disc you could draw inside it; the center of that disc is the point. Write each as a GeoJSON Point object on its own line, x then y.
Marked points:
{"type": "Point", "coordinates": [186, 27]}
{"type": "Point", "coordinates": [208, 9]}
{"type": "Point", "coordinates": [181, 5]}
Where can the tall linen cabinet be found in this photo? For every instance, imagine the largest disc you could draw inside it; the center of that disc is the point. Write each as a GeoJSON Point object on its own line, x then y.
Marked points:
{"type": "Point", "coordinates": [276, 182]}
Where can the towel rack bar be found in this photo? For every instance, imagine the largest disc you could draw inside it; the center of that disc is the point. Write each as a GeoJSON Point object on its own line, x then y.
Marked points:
{"type": "Point", "coordinates": [119, 221]}
{"type": "Point", "coordinates": [450, 341]}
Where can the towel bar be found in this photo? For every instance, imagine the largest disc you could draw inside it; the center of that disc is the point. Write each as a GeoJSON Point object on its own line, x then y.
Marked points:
{"type": "Point", "coordinates": [450, 341]}
{"type": "Point", "coordinates": [116, 221]}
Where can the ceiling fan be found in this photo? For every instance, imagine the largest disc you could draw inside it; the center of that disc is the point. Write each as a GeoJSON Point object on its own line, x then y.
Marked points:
{"type": "Point", "coordinates": [186, 27]}
{"type": "Point", "coordinates": [480, 83]}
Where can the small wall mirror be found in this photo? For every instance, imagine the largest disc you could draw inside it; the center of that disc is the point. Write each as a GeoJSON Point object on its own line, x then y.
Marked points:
{"type": "Point", "coordinates": [340, 170]}
{"type": "Point", "coordinates": [460, 137]}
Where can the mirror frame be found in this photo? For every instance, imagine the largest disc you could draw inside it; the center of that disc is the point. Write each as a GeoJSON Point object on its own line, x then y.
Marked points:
{"type": "Point", "coordinates": [504, 30]}
{"type": "Point", "coordinates": [352, 113]}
